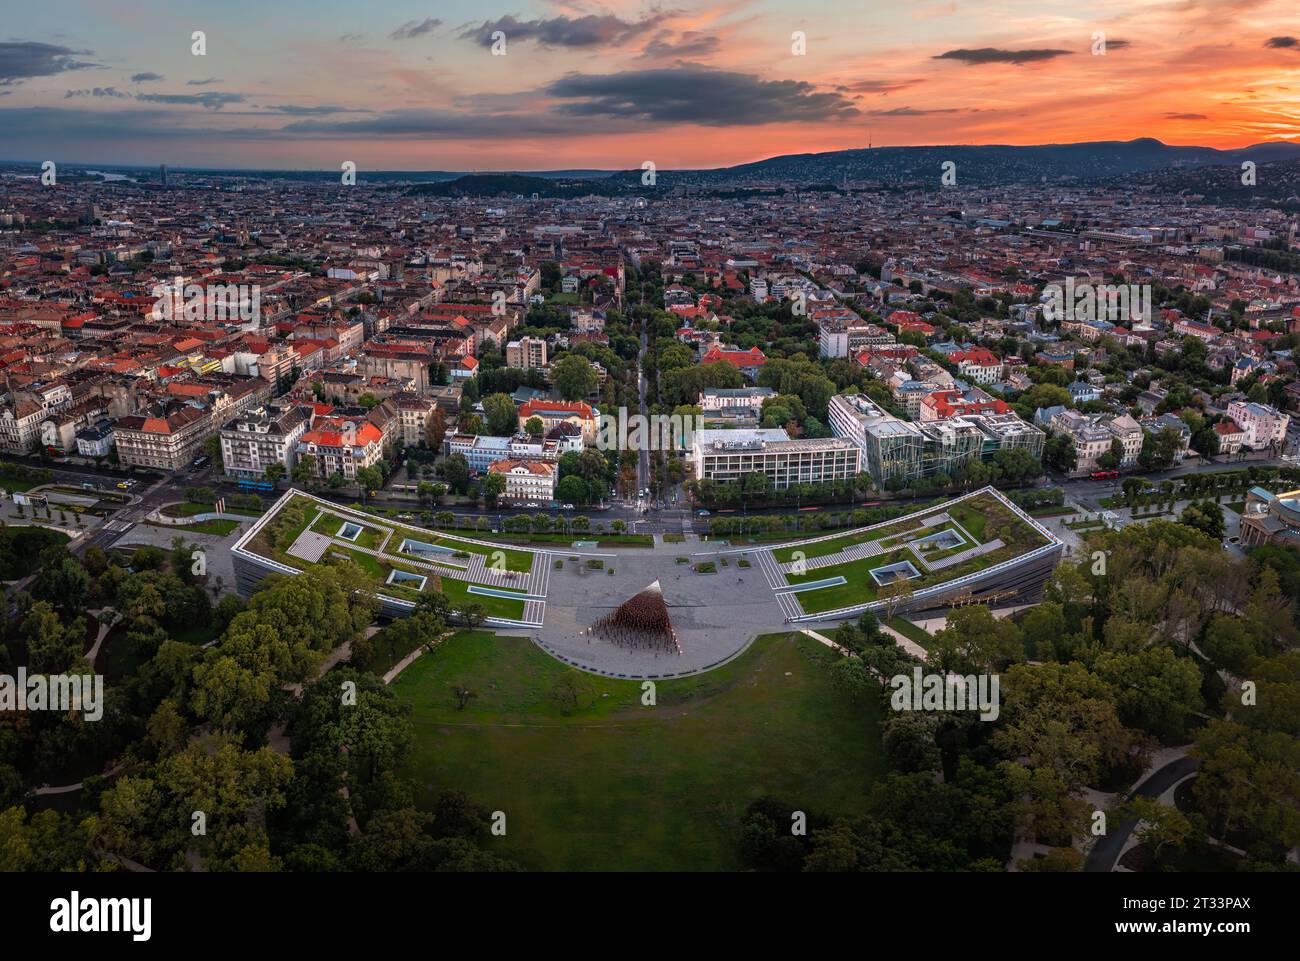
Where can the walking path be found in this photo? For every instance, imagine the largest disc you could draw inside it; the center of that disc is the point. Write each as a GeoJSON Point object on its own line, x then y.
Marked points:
{"type": "Point", "coordinates": [1106, 852]}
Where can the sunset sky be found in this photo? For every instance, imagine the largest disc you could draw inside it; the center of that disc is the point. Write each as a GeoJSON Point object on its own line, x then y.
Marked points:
{"type": "Point", "coordinates": [397, 84]}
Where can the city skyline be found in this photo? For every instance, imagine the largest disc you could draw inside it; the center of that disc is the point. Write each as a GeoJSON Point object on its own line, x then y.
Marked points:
{"type": "Point", "coordinates": [586, 85]}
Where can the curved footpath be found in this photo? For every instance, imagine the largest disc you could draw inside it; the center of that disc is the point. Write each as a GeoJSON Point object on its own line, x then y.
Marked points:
{"type": "Point", "coordinates": [1105, 853]}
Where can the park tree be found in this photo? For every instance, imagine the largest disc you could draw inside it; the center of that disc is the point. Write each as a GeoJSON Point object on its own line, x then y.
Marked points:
{"type": "Point", "coordinates": [571, 490]}
{"type": "Point", "coordinates": [472, 615]}
{"type": "Point", "coordinates": [64, 583]}
{"type": "Point", "coordinates": [455, 470]}
{"type": "Point", "coordinates": [304, 471]}
{"type": "Point", "coordinates": [502, 415]}
{"type": "Point", "coordinates": [574, 377]}
{"type": "Point", "coordinates": [51, 649]}
{"type": "Point", "coordinates": [494, 485]}
{"type": "Point", "coordinates": [1204, 516]}
{"type": "Point", "coordinates": [435, 429]}
{"type": "Point", "coordinates": [974, 641]}
{"type": "Point", "coordinates": [1159, 825]}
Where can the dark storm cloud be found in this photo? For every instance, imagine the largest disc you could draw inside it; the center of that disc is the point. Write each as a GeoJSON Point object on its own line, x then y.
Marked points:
{"type": "Point", "coordinates": [1117, 44]}
{"type": "Point", "coordinates": [202, 83]}
{"type": "Point", "coordinates": [589, 31]}
{"type": "Point", "coordinates": [415, 28]}
{"type": "Point", "coordinates": [146, 77]}
{"type": "Point", "coordinates": [695, 94]}
{"type": "Point", "coordinates": [1186, 116]}
{"type": "Point", "coordinates": [691, 43]}
{"type": "Point", "coordinates": [295, 110]}
{"type": "Point", "coordinates": [22, 59]}
{"type": "Point", "coordinates": [82, 127]}
{"type": "Point", "coordinates": [910, 112]}
{"type": "Point", "coordinates": [210, 100]}
{"type": "Point", "coordinates": [96, 92]}
{"type": "Point", "coordinates": [437, 123]}
{"type": "Point", "coordinates": [877, 86]}
{"type": "Point", "coordinates": [1282, 43]}
{"type": "Point", "coordinates": [986, 55]}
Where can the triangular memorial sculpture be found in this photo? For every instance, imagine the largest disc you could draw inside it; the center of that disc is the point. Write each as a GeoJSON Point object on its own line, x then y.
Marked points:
{"type": "Point", "coordinates": [640, 622]}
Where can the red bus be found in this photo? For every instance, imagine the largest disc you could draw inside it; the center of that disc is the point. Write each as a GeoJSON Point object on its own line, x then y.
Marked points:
{"type": "Point", "coordinates": [1104, 474]}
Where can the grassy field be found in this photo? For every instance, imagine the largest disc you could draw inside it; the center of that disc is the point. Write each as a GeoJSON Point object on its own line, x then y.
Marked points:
{"type": "Point", "coordinates": [612, 785]}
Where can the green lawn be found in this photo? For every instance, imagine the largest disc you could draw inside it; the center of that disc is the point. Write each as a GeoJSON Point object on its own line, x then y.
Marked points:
{"type": "Point", "coordinates": [785, 555]}
{"type": "Point", "coordinates": [617, 786]}
{"type": "Point", "coordinates": [970, 518]}
{"type": "Point", "coordinates": [13, 484]}
{"type": "Point", "coordinates": [189, 510]}
{"type": "Point", "coordinates": [1237, 507]}
{"type": "Point", "coordinates": [859, 586]}
{"type": "Point", "coordinates": [836, 544]}
{"type": "Point", "coordinates": [458, 593]}
{"type": "Point", "coordinates": [911, 631]}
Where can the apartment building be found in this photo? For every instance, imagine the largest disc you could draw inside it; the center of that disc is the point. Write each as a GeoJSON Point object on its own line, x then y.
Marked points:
{"type": "Point", "coordinates": [166, 436]}
{"type": "Point", "coordinates": [1093, 437]}
{"type": "Point", "coordinates": [27, 409]}
{"type": "Point", "coordinates": [556, 412]}
{"type": "Point", "coordinates": [1263, 425]}
{"type": "Point", "coordinates": [482, 451]}
{"type": "Point", "coordinates": [728, 455]}
{"type": "Point", "coordinates": [1231, 437]}
{"type": "Point", "coordinates": [978, 364]}
{"type": "Point", "coordinates": [262, 437]}
{"type": "Point", "coordinates": [341, 445]}
{"type": "Point", "coordinates": [528, 353]}
{"type": "Point", "coordinates": [414, 412]}
{"type": "Point", "coordinates": [527, 481]}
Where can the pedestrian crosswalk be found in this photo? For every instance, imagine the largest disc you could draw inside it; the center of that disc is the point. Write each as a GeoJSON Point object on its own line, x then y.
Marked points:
{"type": "Point", "coordinates": [767, 564]}
{"type": "Point", "coordinates": [789, 603]}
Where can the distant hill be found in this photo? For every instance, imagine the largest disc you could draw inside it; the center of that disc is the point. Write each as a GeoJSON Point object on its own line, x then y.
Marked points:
{"type": "Point", "coordinates": [519, 185]}
{"type": "Point", "coordinates": [978, 164]}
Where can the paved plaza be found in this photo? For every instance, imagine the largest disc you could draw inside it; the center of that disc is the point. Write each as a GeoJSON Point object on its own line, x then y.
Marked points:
{"type": "Point", "coordinates": [715, 615]}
